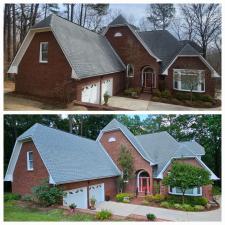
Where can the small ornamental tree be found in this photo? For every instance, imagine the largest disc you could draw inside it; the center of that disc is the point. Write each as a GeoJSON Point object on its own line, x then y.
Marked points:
{"type": "Point", "coordinates": [126, 163]}
{"type": "Point", "coordinates": [186, 176]}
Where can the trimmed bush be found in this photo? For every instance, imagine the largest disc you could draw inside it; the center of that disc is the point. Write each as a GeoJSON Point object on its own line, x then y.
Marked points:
{"type": "Point", "coordinates": [132, 92]}
{"type": "Point", "coordinates": [199, 208]}
{"type": "Point", "coordinates": [177, 206]}
{"type": "Point", "coordinates": [188, 200]}
{"type": "Point", "coordinates": [165, 204]}
{"type": "Point", "coordinates": [103, 215]}
{"type": "Point", "coordinates": [151, 216]}
{"type": "Point", "coordinates": [120, 197]}
{"type": "Point", "coordinates": [145, 202]}
{"type": "Point", "coordinates": [166, 94]}
{"type": "Point", "coordinates": [205, 98]}
{"type": "Point", "coordinates": [149, 198]}
{"type": "Point", "coordinates": [176, 101]}
{"type": "Point", "coordinates": [207, 104]}
{"type": "Point", "coordinates": [27, 198]}
{"type": "Point", "coordinates": [156, 93]}
{"type": "Point", "coordinates": [47, 195]}
{"type": "Point", "coordinates": [155, 99]}
{"type": "Point", "coordinates": [11, 196]}
{"type": "Point", "coordinates": [155, 198]}
{"type": "Point", "coordinates": [187, 207]}
{"type": "Point", "coordinates": [165, 100]}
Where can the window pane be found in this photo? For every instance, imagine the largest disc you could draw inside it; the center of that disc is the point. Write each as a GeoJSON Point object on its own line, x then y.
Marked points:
{"type": "Point", "coordinates": [45, 47]}
{"type": "Point", "coordinates": [30, 156]}
{"type": "Point", "coordinates": [189, 191]}
{"type": "Point", "coordinates": [44, 56]}
{"type": "Point", "coordinates": [198, 190]}
{"type": "Point", "coordinates": [178, 190]}
{"type": "Point", "coordinates": [189, 82]}
{"type": "Point", "coordinates": [31, 164]}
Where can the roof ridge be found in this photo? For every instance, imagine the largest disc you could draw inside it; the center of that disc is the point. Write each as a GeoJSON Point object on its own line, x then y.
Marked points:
{"type": "Point", "coordinates": [152, 133]}
{"type": "Point", "coordinates": [57, 129]}
{"type": "Point", "coordinates": [53, 14]}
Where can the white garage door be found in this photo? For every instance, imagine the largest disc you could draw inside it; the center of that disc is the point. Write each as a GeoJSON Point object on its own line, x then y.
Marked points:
{"type": "Point", "coordinates": [98, 192]}
{"type": "Point", "coordinates": [107, 86]}
{"type": "Point", "coordinates": [76, 196]}
{"type": "Point", "coordinates": [90, 93]}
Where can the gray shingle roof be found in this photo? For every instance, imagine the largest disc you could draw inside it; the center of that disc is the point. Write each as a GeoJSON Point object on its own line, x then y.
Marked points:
{"type": "Point", "coordinates": [119, 20]}
{"type": "Point", "coordinates": [69, 157]}
{"type": "Point", "coordinates": [89, 53]}
{"type": "Point", "coordinates": [166, 47]}
{"type": "Point", "coordinates": [115, 124]}
{"type": "Point", "coordinates": [195, 147]}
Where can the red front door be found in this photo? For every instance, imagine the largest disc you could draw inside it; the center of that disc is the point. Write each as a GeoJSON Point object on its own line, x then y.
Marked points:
{"type": "Point", "coordinates": [149, 80]}
{"type": "Point", "coordinates": [144, 184]}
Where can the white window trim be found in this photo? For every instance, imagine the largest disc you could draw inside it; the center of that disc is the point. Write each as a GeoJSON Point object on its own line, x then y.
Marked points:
{"type": "Point", "coordinates": [28, 161]}
{"type": "Point", "coordinates": [118, 34]}
{"type": "Point", "coordinates": [179, 82]}
{"type": "Point", "coordinates": [194, 192]}
{"type": "Point", "coordinates": [112, 139]}
{"type": "Point", "coordinates": [40, 53]}
{"type": "Point", "coordinates": [132, 68]}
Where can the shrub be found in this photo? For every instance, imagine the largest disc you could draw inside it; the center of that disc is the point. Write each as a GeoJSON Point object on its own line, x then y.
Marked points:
{"type": "Point", "coordinates": [216, 190]}
{"type": "Point", "coordinates": [149, 198]}
{"type": "Point", "coordinates": [126, 200]}
{"type": "Point", "coordinates": [188, 199]}
{"type": "Point", "coordinates": [73, 206]}
{"type": "Point", "coordinates": [199, 208]}
{"type": "Point", "coordinates": [155, 99]}
{"type": "Point", "coordinates": [156, 93]}
{"type": "Point", "coordinates": [103, 215]}
{"type": "Point", "coordinates": [47, 195]}
{"type": "Point", "coordinates": [205, 98]}
{"type": "Point", "coordinates": [120, 197]}
{"type": "Point", "coordinates": [151, 216]}
{"type": "Point", "coordinates": [207, 104]}
{"type": "Point", "coordinates": [166, 94]}
{"type": "Point", "coordinates": [199, 201]}
{"type": "Point", "coordinates": [188, 103]}
{"type": "Point", "coordinates": [176, 101]}
{"type": "Point", "coordinates": [11, 196]}
{"type": "Point", "coordinates": [145, 202]}
{"type": "Point", "coordinates": [182, 96]}
{"type": "Point", "coordinates": [187, 207]}
{"type": "Point", "coordinates": [164, 100]}
{"type": "Point", "coordinates": [27, 198]}
{"type": "Point", "coordinates": [165, 204]}
{"type": "Point", "coordinates": [132, 92]}
{"type": "Point", "coordinates": [177, 206]}
{"type": "Point", "coordinates": [159, 198]}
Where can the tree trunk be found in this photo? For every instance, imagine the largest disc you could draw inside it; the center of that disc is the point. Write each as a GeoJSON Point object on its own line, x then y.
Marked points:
{"type": "Point", "coordinates": [14, 30]}
{"type": "Point", "coordinates": [183, 197]}
{"type": "Point", "coordinates": [9, 33]}
{"type": "Point", "coordinates": [46, 8]}
{"type": "Point", "coordinates": [70, 124]}
{"type": "Point", "coordinates": [34, 14]}
{"type": "Point", "coordinates": [71, 15]}
{"type": "Point", "coordinates": [81, 14]}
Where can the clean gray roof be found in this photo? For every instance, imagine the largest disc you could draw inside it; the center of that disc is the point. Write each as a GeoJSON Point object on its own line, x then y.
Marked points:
{"type": "Point", "coordinates": [195, 147]}
{"type": "Point", "coordinates": [89, 53]}
{"type": "Point", "coordinates": [115, 125]}
{"type": "Point", "coordinates": [119, 20]}
{"type": "Point", "coordinates": [166, 47]}
{"type": "Point", "coordinates": [69, 157]}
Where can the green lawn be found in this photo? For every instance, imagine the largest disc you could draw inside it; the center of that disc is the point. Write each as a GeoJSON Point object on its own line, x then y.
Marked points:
{"type": "Point", "coordinates": [13, 212]}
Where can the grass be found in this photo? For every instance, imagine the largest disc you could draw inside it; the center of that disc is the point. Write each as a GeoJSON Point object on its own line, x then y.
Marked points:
{"type": "Point", "coordinates": [13, 212]}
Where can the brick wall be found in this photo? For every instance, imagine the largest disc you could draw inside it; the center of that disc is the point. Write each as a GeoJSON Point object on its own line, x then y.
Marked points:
{"type": "Point", "coordinates": [113, 149]}
{"type": "Point", "coordinates": [206, 190]}
{"type": "Point", "coordinates": [131, 51]}
{"type": "Point", "coordinates": [191, 63]}
{"type": "Point", "coordinates": [24, 180]}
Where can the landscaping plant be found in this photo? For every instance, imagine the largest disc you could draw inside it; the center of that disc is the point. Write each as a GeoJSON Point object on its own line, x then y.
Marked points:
{"type": "Point", "coordinates": [106, 98]}
{"type": "Point", "coordinates": [72, 207]}
{"type": "Point", "coordinates": [151, 216]}
{"type": "Point", "coordinates": [186, 176]}
{"type": "Point", "coordinates": [103, 215]}
{"type": "Point", "coordinates": [92, 202]}
{"type": "Point", "coordinates": [11, 196]}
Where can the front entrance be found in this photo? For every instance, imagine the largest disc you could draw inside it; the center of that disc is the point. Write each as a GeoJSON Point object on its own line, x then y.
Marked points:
{"type": "Point", "coordinates": [143, 182]}
{"type": "Point", "coordinates": [148, 79]}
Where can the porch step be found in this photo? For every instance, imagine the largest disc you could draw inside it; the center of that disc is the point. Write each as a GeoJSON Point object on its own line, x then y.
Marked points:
{"type": "Point", "coordinates": [146, 90]}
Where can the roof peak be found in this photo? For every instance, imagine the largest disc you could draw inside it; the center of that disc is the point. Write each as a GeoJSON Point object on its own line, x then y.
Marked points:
{"type": "Point", "coordinates": [119, 20]}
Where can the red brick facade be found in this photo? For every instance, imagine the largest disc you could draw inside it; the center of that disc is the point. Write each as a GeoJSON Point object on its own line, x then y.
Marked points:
{"type": "Point", "coordinates": [191, 63]}
{"type": "Point", "coordinates": [131, 51]}
{"type": "Point", "coordinates": [24, 180]}
{"type": "Point", "coordinates": [113, 149]}
{"type": "Point", "coordinates": [206, 190]}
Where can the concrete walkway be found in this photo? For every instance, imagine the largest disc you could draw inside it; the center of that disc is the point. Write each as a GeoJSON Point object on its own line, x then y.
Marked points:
{"type": "Point", "coordinates": [123, 209]}
{"type": "Point", "coordinates": [144, 105]}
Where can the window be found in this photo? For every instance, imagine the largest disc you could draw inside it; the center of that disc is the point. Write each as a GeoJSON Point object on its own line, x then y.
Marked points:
{"type": "Point", "coordinates": [43, 58]}
{"type": "Point", "coordinates": [118, 34]}
{"type": "Point", "coordinates": [112, 139]}
{"type": "Point", "coordinates": [185, 80]}
{"type": "Point", "coordinates": [30, 161]}
{"type": "Point", "coordinates": [191, 192]}
{"type": "Point", "coordinates": [130, 70]}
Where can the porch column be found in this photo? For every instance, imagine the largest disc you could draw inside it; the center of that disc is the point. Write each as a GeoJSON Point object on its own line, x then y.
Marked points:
{"type": "Point", "coordinates": [151, 185]}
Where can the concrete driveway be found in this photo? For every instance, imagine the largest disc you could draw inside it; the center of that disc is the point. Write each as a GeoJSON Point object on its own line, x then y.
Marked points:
{"type": "Point", "coordinates": [144, 105]}
{"type": "Point", "coordinates": [123, 209]}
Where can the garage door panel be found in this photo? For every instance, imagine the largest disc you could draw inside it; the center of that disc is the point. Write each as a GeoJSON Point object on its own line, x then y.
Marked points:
{"type": "Point", "coordinates": [97, 191]}
{"type": "Point", "coordinates": [90, 93]}
{"type": "Point", "coordinates": [76, 196]}
{"type": "Point", "coordinates": [107, 86]}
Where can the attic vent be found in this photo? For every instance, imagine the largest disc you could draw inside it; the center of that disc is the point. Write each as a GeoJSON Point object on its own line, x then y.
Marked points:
{"type": "Point", "coordinates": [112, 139]}
{"type": "Point", "coordinates": [118, 34]}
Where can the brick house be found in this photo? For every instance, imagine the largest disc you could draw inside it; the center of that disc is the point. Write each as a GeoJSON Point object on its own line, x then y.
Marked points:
{"type": "Point", "coordinates": [85, 168]}
{"type": "Point", "coordinates": [60, 59]}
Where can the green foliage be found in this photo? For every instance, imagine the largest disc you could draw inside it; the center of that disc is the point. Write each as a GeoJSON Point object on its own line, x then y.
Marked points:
{"type": "Point", "coordinates": [216, 190]}
{"type": "Point", "coordinates": [151, 216]}
{"type": "Point", "coordinates": [155, 198]}
{"type": "Point", "coordinates": [27, 198]}
{"type": "Point", "coordinates": [126, 162]}
{"type": "Point", "coordinates": [72, 206]}
{"type": "Point", "coordinates": [156, 93]}
{"type": "Point", "coordinates": [47, 195]}
{"type": "Point", "coordinates": [14, 212]}
{"type": "Point", "coordinates": [199, 208]}
{"type": "Point", "coordinates": [186, 176]}
{"type": "Point", "coordinates": [11, 196]}
{"type": "Point", "coordinates": [165, 204]}
{"type": "Point", "coordinates": [120, 197]}
{"type": "Point", "coordinates": [132, 92]}
{"type": "Point", "coordinates": [177, 206]}
{"type": "Point", "coordinates": [166, 94]}
{"type": "Point", "coordinates": [192, 200]}
{"type": "Point", "coordinates": [103, 215]}
{"type": "Point", "coordinates": [187, 207]}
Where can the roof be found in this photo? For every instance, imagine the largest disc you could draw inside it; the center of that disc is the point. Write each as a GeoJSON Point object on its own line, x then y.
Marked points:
{"type": "Point", "coordinates": [166, 47]}
{"type": "Point", "coordinates": [195, 147]}
{"type": "Point", "coordinates": [120, 20]}
{"type": "Point", "coordinates": [116, 125]}
{"type": "Point", "coordinates": [73, 159]}
{"type": "Point", "coordinates": [89, 53]}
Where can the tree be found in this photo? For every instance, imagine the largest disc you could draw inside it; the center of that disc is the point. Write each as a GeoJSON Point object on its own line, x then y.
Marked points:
{"type": "Point", "coordinates": [186, 176]}
{"type": "Point", "coordinates": [126, 163]}
{"type": "Point", "coordinates": [160, 15]}
{"type": "Point", "coordinates": [50, 8]}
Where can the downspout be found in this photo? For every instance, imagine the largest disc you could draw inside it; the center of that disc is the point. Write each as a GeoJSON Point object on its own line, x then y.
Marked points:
{"type": "Point", "coordinates": [88, 202]}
